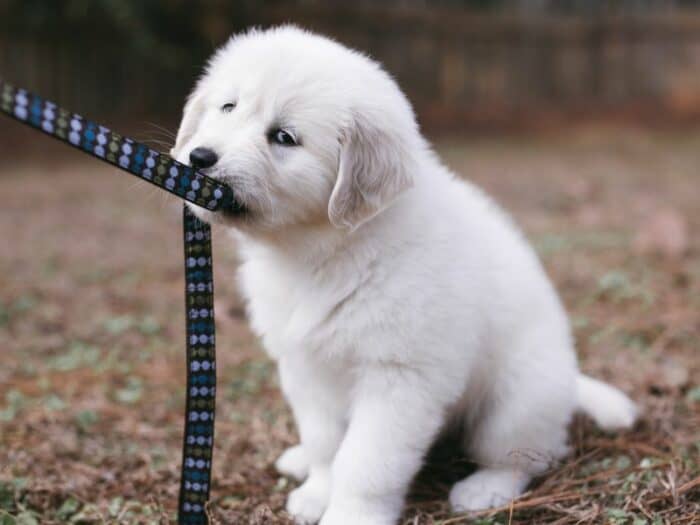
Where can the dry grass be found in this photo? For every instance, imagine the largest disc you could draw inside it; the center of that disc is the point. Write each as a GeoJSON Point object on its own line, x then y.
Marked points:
{"type": "Point", "coordinates": [91, 333]}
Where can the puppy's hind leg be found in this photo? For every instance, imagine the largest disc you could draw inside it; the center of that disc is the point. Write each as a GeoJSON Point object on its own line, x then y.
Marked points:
{"type": "Point", "coordinates": [522, 427]}
{"type": "Point", "coordinates": [488, 488]}
{"type": "Point", "coordinates": [499, 479]}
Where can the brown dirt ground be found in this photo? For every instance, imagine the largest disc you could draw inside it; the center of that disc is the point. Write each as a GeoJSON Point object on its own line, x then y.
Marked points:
{"type": "Point", "coordinates": [91, 338]}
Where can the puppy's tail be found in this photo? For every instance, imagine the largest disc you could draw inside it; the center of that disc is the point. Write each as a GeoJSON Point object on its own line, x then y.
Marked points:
{"type": "Point", "coordinates": [609, 407]}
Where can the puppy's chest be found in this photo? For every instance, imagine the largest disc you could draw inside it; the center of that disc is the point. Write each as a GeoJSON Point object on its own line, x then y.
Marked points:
{"type": "Point", "coordinates": [295, 308]}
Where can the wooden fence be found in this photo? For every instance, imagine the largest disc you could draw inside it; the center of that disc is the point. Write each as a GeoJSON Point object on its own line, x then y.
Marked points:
{"type": "Point", "coordinates": [458, 68]}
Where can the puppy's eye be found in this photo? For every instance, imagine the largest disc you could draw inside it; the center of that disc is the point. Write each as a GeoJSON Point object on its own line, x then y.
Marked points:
{"type": "Point", "coordinates": [228, 107]}
{"type": "Point", "coordinates": [282, 137]}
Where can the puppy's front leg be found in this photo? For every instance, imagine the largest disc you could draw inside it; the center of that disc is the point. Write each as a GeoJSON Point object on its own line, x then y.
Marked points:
{"type": "Point", "coordinates": [317, 394]}
{"type": "Point", "coordinates": [395, 416]}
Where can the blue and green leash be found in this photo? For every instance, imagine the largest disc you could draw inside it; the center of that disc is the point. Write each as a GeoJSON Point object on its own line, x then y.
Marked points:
{"type": "Point", "coordinates": [190, 185]}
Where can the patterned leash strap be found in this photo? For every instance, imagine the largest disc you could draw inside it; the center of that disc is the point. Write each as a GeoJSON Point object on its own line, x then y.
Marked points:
{"type": "Point", "coordinates": [201, 372]}
{"type": "Point", "coordinates": [186, 183]}
{"type": "Point", "coordinates": [122, 152]}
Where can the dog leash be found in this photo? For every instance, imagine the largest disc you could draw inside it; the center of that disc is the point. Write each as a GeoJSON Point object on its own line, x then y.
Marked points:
{"type": "Point", "coordinates": [190, 185]}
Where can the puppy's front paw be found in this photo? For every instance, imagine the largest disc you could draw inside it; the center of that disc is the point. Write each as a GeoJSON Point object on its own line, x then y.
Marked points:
{"type": "Point", "coordinates": [358, 512]}
{"type": "Point", "coordinates": [307, 503]}
{"type": "Point", "coordinates": [293, 463]}
{"type": "Point", "coordinates": [487, 488]}
{"type": "Point", "coordinates": [355, 519]}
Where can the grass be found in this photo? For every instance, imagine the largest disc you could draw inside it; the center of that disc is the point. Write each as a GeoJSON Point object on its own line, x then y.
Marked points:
{"type": "Point", "coordinates": [91, 332]}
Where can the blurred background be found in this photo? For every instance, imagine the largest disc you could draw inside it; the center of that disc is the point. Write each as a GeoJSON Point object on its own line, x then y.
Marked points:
{"type": "Point", "coordinates": [466, 64]}
{"type": "Point", "coordinates": [581, 117]}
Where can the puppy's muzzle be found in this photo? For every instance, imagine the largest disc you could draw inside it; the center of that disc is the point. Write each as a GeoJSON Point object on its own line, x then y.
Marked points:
{"type": "Point", "coordinates": [202, 158]}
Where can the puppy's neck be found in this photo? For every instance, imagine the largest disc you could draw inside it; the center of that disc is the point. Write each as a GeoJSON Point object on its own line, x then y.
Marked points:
{"type": "Point", "coordinates": [308, 243]}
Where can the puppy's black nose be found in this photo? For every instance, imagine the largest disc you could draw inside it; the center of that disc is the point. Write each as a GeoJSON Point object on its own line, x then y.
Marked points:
{"type": "Point", "coordinates": [203, 158]}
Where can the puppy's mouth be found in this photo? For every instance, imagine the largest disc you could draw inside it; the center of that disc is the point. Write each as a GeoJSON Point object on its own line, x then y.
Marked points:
{"type": "Point", "coordinates": [236, 208]}
{"type": "Point", "coordinates": [235, 213]}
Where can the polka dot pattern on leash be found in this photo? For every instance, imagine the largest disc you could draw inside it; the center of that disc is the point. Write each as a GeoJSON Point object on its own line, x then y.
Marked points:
{"type": "Point", "coordinates": [201, 372]}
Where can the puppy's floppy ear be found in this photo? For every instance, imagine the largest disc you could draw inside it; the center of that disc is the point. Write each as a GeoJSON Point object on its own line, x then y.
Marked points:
{"type": "Point", "coordinates": [373, 170]}
{"type": "Point", "coordinates": [191, 115]}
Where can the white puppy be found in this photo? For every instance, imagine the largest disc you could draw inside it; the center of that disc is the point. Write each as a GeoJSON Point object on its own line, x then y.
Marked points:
{"type": "Point", "coordinates": [396, 299]}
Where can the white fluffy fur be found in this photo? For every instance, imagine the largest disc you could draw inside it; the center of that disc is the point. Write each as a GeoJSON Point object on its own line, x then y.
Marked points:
{"type": "Point", "coordinates": [396, 299]}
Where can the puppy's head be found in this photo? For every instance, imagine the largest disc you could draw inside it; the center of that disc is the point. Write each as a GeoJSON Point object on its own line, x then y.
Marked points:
{"type": "Point", "coordinates": [304, 130]}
